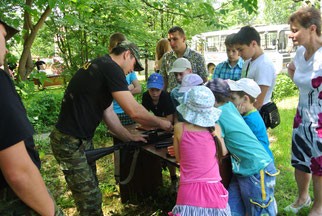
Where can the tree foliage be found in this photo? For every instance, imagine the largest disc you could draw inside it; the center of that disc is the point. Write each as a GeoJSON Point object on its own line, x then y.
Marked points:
{"type": "Point", "coordinates": [78, 30]}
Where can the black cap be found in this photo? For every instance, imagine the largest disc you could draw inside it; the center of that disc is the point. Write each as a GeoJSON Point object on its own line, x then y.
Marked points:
{"type": "Point", "coordinates": [10, 30]}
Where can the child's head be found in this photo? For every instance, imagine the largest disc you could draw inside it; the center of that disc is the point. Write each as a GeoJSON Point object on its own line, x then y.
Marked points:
{"type": "Point", "coordinates": [189, 81]}
{"type": "Point", "coordinates": [247, 41]}
{"type": "Point", "coordinates": [244, 90]}
{"type": "Point", "coordinates": [115, 39]}
{"type": "Point", "coordinates": [155, 85]}
{"type": "Point", "coordinates": [180, 68]}
{"type": "Point", "coordinates": [198, 107]}
{"type": "Point", "coordinates": [162, 47]}
{"type": "Point", "coordinates": [232, 52]}
{"type": "Point", "coordinates": [220, 89]}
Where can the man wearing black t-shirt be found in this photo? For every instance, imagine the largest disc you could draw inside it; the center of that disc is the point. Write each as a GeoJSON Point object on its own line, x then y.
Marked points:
{"type": "Point", "coordinates": [22, 189]}
{"type": "Point", "coordinates": [88, 100]}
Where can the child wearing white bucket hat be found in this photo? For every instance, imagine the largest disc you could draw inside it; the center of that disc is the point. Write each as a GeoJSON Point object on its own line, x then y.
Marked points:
{"type": "Point", "coordinates": [243, 94]}
{"type": "Point", "coordinates": [200, 189]}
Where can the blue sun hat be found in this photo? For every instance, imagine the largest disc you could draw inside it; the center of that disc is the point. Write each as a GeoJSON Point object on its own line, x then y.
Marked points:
{"type": "Point", "coordinates": [198, 107]}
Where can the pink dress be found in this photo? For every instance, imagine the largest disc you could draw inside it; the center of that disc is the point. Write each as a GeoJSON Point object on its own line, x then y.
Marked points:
{"type": "Point", "coordinates": [200, 190]}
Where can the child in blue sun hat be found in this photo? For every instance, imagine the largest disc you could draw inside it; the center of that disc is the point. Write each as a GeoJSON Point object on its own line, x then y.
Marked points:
{"type": "Point", "coordinates": [200, 189]}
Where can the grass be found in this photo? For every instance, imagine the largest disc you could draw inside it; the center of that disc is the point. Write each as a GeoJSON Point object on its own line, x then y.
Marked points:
{"type": "Point", "coordinates": [280, 137]}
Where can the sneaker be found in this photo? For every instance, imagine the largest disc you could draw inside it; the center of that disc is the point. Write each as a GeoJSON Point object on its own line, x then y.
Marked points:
{"type": "Point", "coordinates": [291, 208]}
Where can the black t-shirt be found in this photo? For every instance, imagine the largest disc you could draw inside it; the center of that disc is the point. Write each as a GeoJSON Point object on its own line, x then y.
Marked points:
{"type": "Point", "coordinates": [88, 94]}
{"type": "Point", "coordinates": [14, 124]}
{"type": "Point", "coordinates": [164, 106]}
{"type": "Point", "coordinates": [38, 63]}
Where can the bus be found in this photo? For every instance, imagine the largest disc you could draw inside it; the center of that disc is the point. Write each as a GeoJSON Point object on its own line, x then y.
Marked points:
{"type": "Point", "coordinates": [274, 42]}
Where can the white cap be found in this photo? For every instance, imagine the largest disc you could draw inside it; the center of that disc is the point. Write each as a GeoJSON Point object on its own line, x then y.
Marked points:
{"type": "Point", "coordinates": [180, 65]}
{"type": "Point", "coordinates": [246, 85]}
{"type": "Point", "coordinates": [189, 81]}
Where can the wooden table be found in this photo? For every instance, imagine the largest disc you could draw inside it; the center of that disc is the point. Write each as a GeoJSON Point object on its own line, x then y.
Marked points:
{"type": "Point", "coordinates": [147, 176]}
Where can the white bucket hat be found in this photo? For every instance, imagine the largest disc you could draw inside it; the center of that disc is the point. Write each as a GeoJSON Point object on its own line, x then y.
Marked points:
{"type": "Point", "coordinates": [246, 85]}
{"type": "Point", "coordinates": [198, 107]}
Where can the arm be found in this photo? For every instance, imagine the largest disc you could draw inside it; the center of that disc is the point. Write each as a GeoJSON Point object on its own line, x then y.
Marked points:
{"type": "Point", "coordinates": [25, 180]}
{"type": "Point", "coordinates": [222, 141]}
{"type": "Point", "coordinates": [163, 72]}
{"type": "Point", "coordinates": [291, 70]}
{"type": "Point", "coordinates": [114, 124]}
{"type": "Point", "coordinates": [260, 99]}
{"type": "Point", "coordinates": [135, 87]}
{"type": "Point", "coordinates": [138, 113]}
{"type": "Point", "coordinates": [176, 140]}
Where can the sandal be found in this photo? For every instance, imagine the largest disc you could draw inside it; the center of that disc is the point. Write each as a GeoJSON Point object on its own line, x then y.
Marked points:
{"type": "Point", "coordinates": [291, 208]}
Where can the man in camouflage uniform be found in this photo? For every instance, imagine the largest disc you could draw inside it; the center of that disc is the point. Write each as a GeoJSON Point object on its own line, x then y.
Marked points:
{"type": "Point", "coordinates": [22, 189]}
{"type": "Point", "coordinates": [177, 39]}
{"type": "Point", "coordinates": [87, 100]}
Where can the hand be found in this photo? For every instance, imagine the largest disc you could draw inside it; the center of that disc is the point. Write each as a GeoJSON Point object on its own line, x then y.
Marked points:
{"type": "Point", "coordinates": [130, 87]}
{"type": "Point", "coordinates": [166, 125]}
{"type": "Point", "coordinates": [241, 108]}
{"type": "Point", "coordinates": [171, 150]}
{"type": "Point", "coordinates": [138, 138]}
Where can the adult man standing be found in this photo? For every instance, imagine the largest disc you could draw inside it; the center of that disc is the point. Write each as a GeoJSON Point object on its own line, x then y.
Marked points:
{"type": "Point", "coordinates": [88, 100]}
{"type": "Point", "coordinates": [22, 189]}
{"type": "Point", "coordinates": [177, 39]}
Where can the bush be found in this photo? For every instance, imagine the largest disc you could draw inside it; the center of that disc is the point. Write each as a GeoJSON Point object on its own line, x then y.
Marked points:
{"type": "Point", "coordinates": [43, 109]}
{"type": "Point", "coordinates": [284, 87]}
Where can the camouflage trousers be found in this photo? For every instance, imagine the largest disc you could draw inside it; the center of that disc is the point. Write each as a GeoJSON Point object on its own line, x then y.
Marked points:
{"type": "Point", "coordinates": [80, 176]}
{"type": "Point", "coordinates": [11, 205]}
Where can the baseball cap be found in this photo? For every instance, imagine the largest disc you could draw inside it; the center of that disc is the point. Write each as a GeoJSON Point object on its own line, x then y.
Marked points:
{"type": "Point", "coordinates": [180, 65]}
{"type": "Point", "coordinates": [246, 85]}
{"type": "Point", "coordinates": [135, 52]}
{"type": "Point", "coordinates": [155, 80]}
{"type": "Point", "coordinates": [219, 85]}
{"type": "Point", "coordinates": [188, 81]}
{"type": "Point", "coordinates": [10, 30]}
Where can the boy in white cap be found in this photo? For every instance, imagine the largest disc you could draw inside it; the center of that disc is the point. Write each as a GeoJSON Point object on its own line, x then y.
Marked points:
{"type": "Point", "coordinates": [243, 94]}
{"type": "Point", "coordinates": [181, 67]}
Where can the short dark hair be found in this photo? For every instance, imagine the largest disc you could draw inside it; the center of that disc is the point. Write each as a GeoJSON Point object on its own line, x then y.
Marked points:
{"type": "Point", "coordinates": [242, 94]}
{"type": "Point", "coordinates": [246, 35]}
{"type": "Point", "coordinates": [229, 41]}
{"type": "Point", "coordinates": [307, 16]}
{"type": "Point", "coordinates": [176, 29]}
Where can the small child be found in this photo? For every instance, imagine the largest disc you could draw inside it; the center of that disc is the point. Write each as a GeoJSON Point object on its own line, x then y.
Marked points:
{"type": "Point", "coordinates": [200, 190]}
{"type": "Point", "coordinates": [157, 100]}
{"type": "Point", "coordinates": [232, 67]}
{"type": "Point", "coordinates": [251, 190]}
{"type": "Point", "coordinates": [243, 94]}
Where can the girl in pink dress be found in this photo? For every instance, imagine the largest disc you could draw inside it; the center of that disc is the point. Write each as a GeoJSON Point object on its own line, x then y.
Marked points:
{"type": "Point", "coordinates": [200, 190]}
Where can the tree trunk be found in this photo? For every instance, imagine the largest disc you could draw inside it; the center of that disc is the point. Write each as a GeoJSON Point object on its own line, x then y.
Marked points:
{"type": "Point", "coordinates": [30, 31]}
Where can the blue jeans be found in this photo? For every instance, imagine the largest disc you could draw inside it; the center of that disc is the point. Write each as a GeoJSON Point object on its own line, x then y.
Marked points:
{"type": "Point", "coordinates": [254, 194]}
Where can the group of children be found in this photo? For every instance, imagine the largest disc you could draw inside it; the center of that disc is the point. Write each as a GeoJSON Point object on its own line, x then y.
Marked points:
{"type": "Point", "coordinates": [222, 109]}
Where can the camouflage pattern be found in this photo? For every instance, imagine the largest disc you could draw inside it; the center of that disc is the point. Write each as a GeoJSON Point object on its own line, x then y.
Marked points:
{"type": "Point", "coordinates": [11, 205]}
{"type": "Point", "coordinates": [80, 176]}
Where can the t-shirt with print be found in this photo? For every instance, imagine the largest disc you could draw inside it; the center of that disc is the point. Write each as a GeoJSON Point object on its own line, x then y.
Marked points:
{"type": "Point", "coordinates": [164, 106]}
{"type": "Point", "coordinates": [88, 94]}
{"type": "Point", "coordinates": [263, 72]}
{"type": "Point", "coordinates": [248, 156]}
{"type": "Point", "coordinates": [15, 126]}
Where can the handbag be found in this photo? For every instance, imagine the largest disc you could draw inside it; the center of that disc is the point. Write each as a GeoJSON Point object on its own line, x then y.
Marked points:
{"type": "Point", "coordinates": [270, 115]}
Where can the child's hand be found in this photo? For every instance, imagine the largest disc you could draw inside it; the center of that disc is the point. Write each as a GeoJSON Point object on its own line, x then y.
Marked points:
{"type": "Point", "coordinates": [171, 150]}
{"type": "Point", "coordinates": [241, 108]}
